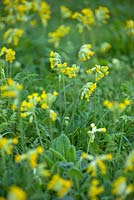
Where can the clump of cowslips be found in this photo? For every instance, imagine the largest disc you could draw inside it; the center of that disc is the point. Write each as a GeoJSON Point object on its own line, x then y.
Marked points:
{"type": "Point", "coordinates": [11, 90]}
{"type": "Point", "coordinates": [91, 133]}
{"type": "Point", "coordinates": [45, 101]}
{"type": "Point", "coordinates": [95, 189]}
{"type": "Point", "coordinates": [102, 14]}
{"type": "Point", "coordinates": [85, 19]}
{"type": "Point", "coordinates": [96, 162]}
{"type": "Point", "coordinates": [121, 189]}
{"type": "Point", "coordinates": [13, 35]}
{"type": "Point", "coordinates": [9, 54]}
{"type": "Point", "coordinates": [7, 145]}
{"type": "Point", "coordinates": [62, 68]}
{"type": "Point", "coordinates": [85, 53]}
{"type": "Point", "coordinates": [116, 106]}
{"type": "Point", "coordinates": [100, 72]}
{"type": "Point", "coordinates": [16, 193]}
{"type": "Point", "coordinates": [59, 185]}
{"type": "Point", "coordinates": [88, 90]}
{"type": "Point", "coordinates": [60, 32]}
{"type": "Point", "coordinates": [31, 156]}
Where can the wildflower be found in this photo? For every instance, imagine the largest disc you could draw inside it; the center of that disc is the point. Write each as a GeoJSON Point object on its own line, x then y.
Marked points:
{"type": "Point", "coordinates": [85, 52]}
{"type": "Point", "coordinates": [13, 35]}
{"type": "Point", "coordinates": [42, 171]}
{"type": "Point", "coordinates": [9, 54]}
{"type": "Point", "coordinates": [130, 27]}
{"type": "Point", "coordinates": [31, 156]}
{"type": "Point", "coordinates": [121, 189]}
{"type": "Point", "coordinates": [53, 115]}
{"type": "Point", "coordinates": [65, 12]}
{"type": "Point", "coordinates": [59, 185]}
{"type": "Point", "coordinates": [16, 193]}
{"type": "Point", "coordinates": [55, 59]}
{"type": "Point", "coordinates": [87, 90]}
{"type": "Point", "coordinates": [116, 106]}
{"type": "Point", "coordinates": [7, 145]}
{"type": "Point", "coordinates": [95, 190]}
{"type": "Point", "coordinates": [96, 162]}
{"type": "Point", "coordinates": [61, 31]}
{"type": "Point", "coordinates": [85, 18]}
{"type": "Point", "coordinates": [91, 133]}
{"type": "Point", "coordinates": [100, 72]}
{"type": "Point", "coordinates": [102, 14]}
{"type": "Point", "coordinates": [71, 72]}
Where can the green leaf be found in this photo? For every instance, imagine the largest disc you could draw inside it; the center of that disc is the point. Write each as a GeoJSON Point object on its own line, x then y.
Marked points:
{"type": "Point", "coordinates": [57, 154]}
{"type": "Point", "coordinates": [71, 154]}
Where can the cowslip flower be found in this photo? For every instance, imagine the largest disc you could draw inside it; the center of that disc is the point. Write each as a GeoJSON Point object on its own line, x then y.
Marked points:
{"type": "Point", "coordinates": [130, 27]}
{"type": "Point", "coordinates": [31, 156]}
{"type": "Point", "coordinates": [65, 12]}
{"type": "Point", "coordinates": [116, 106]}
{"type": "Point", "coordinates": [88, 90]}
{"type": "Point", "coordinates": [59, 185]}
{"type": "Point", "coordinates": [9, 54]}
{"type": "Point", "coordinates": [95, 189]}
{"type": "Point", "coordinates": [96, 162]}
{"type": "Point", "coordinates": [92, 132]}
{"type": "Point", "coordinates": [7, 145]}
{"type": "Point", "coordinates": [102, 14]}
{"type": "Point", "coordinates": [85, 53]}
{"type": "Point", "coordinates": [16, 193]}
{"type": "Point", "coordinates": [13, 35]}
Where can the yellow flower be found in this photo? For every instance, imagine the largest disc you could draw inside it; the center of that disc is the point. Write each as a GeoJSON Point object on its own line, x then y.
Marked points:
{"type": "Point", "coordinates": [95, 190]}
{"type": "Point", "coordinates": [16, 193]}
{"type": "Point", "coordinates": [53, 115]}
{"type": "Point", "coordinates": [44, 105]}
{"type": "Point", "coordinates": [65, 12]}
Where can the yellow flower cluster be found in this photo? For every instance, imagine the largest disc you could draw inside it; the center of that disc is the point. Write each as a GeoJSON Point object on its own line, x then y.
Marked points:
{"type": "Point", "coordinates": [61, 31]}
{"type": "Point", "coordinates": [102, 14]}
{"type": "Point", "coordinates": [116, 106]}
{"type": "Point", "coordinates": [56, 63]}
{"type": "Point", "coordinates": [95, 190]}
{"type": "Point", "coordinates": [121, 189]}
{"type": "Point", "coordinates": [59, 185]}
{"type": "Point", "coordinates": [87, 90]}
{"type": "Point", "coordinates": [45, 101]}
{"type": "Point", "coordinates": [65, 12]}
{"type": "Point", "coordinates": [22, 9]}
{"type": "Point", "coordinates": [130, 27]}
{"type": "Point", "coordinates": [85, 18]}
{"type": "Point", "coordinates": [43, 9]}
{"type": "Point", "coordinates": [91, 133]}
{"type": "Point", "coordinates": [13, 35]}
{"type": "Point", "coordinates": [100, 72]}
{"type": "Point", "coordinates": [85, 52]}
{"type": "Point", "coordinates": [16, 193]}
{"type": "Point", "coordinates": [31, 156]}
{"type": "Point", "coordinates": [105, 47]}
{"type": "Point", "coordinates": [97, 162]}
{"type": "Point", "coordinates": [7, 145]}
{"type": "Point", "coordinates": [9, 54]}
{"type": "Point", "coordinates": [11, 90]}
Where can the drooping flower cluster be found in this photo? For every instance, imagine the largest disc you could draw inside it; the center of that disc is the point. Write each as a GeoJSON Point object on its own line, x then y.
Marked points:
{"type": "Point", "coordinates": [95, 189]}
{"type": "Point", "coordinates": [59, 185]}
{"type": "Point", "coordinates": [102, 14]}
{"type": "Point", "coordinates": [9, 54]}
{"type": "Point", "coordinates": [16, 193]}
{"type": "Point", "coordinates": [45, 101]}
{"type": "Point", "coordinates": [61, 32]}
{"type": "Point", "coordinates": [92, 132]}
{"type": "Point", "coordinates": [96, 162]}
{"type": "Point", "coordinates": [11, 90]}
{"type": "Point", "coordinates": [130, 27]}
{"type": "Point", "coordinates": [121, 189]}
{"type": "Point", "coordinates": [65, 12]}
{"type": "Point", "coordinates": [85, 18]}
{"type": "Point", "coordinates": [56, 63]}
{"type": "Point", "coordinates": [100, 72]}
{"type": "Point", "coordinates": [12, 36]}
{"type": "Point", "coordinates": [116, 106]}
{"type": "Point", "coordinates": [7, 145]}
{"type": "Point", "coordinates": [88, 90]}
{"type": "Point", "coordinates": [85, 53]}
{"type": "Point", "coordinates": [31, 156]}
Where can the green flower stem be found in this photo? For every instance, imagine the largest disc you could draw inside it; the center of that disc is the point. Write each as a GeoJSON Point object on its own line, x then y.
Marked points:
{"type": "Point", "coordinates": [37, 129]}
